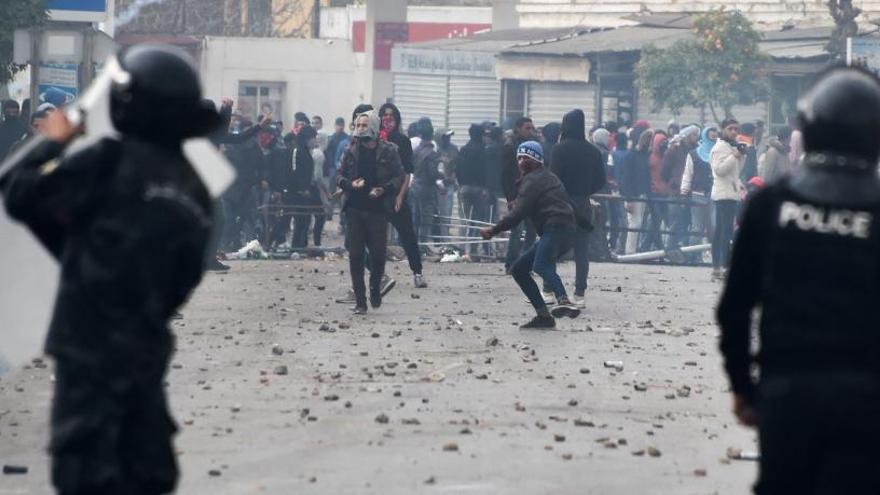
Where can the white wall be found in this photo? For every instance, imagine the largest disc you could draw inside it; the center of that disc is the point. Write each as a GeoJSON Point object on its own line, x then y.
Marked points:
{"type": "Point", "coordinates": [321, 77]}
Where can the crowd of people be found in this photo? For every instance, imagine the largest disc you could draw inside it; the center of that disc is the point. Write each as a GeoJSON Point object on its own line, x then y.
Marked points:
{"type": "Point", "coordinates": [662, 189]}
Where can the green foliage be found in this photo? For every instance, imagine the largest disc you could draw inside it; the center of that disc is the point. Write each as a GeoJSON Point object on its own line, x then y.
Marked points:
{"type": "Point", "coordinates": [16, 14]}
{"type": "Point", "coordinates": [721, 66]}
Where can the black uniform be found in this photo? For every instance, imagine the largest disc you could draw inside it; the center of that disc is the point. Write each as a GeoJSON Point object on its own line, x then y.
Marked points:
{"type": "Point", "coordinates": [129, 256]}
{"type": "Point", "coordinates": [808, 254]}
{"type": "Point", "coordinates": [129, 220]}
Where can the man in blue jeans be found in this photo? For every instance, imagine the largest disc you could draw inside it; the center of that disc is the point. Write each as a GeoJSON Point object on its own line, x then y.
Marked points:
{"type": "Point", "coordinates": [542, 199]}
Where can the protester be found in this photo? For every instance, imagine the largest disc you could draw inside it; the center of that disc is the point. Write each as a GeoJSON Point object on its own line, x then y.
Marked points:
{"type": "Point", "coordinates": [401, 216]}
{"type": "Point", "coordinates": [370, 175]}
{"type": "Point", "coordinates": [541, 197]}
{"type": "Point", "coordinates": [657, 211]}
{"type": "Point", "coordinates": [775, 162]}
{"type": "Point", "coordinates": [616, 210]}
{"type": "Point", "coordinates": [12, 129]}
{"type": "Point", "coordinates": [523, 130]}
{"type": "Point", "coordinates": [426, 175]}
{"type": "Point", "coordinates": [727, 160]}
{"type": "Point", "coordinates": [129, 220]}
{"type": "Point", "coordinates": [750, 165]}
{"type": "Point", "coordinates": [806, 257]}
{"type": "Point", "coordinates": [635, 184]}
{"type": "Point", "coordinates": [579, 166]}
{"type": "Point", "coordinates": [674, 163]}
{"type": "Point", "coordinates": [448, 168]}
{"type": "Point", "coordinates": [550, 134]}
{"type": "Point", "coordinates": [696, 185]}
{"type": "Point", "coordinates": [473, 177]}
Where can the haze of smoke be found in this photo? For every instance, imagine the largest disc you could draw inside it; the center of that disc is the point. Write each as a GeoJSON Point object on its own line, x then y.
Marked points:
{"type": "Point", "coordinates": [132, 11]}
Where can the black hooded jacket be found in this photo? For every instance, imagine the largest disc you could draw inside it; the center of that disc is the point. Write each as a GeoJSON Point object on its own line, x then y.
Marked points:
{"type": "Point", "coordinates": [472, 166]}
{"type": "Point", "coordinates": [576, 162]}
{"type": "Point", "coordinates": [551, 138]}
{"type": "Point", "coordinates": [404, 145]}
{"type": "Point", "coordinates": [303, 164]}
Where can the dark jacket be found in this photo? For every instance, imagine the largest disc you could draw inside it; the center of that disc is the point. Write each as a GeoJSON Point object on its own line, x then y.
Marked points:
{"type": "Point", "coordinates": [807, 255]}
{"type": "Point", "coordinates": [635, 173]}
{"type": "Point", "coordinates": [129, 221]}
{"type": "Point", "coordinates": [472, 167]}
{"type": "Point", "coordinates": [550, 132]}
{"type": "Point", "coordinates": [302, 163]}
{"type": "Point", "coordinates": [426, 171]}
{"type": "Point", "coordinates": [674, 162]}
{"type": "Point", "coordinates": [11, 131]}
{"type": "Point", "coordinates": [540, 198]}
{"type": "Point", "coordinates": [389, 172]}
{"type": "Point", "coordinates": [702, 179]}
{"type": "Point", "coordinates": [404, 145]}
{"type": "Point", "coordinates": [576, 162]}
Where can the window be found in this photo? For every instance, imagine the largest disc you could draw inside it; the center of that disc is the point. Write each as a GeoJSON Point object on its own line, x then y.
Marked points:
{"type": "Point", "coordinates": [514, 100]}
{"type": "Point", "coordinates": [260, 98]}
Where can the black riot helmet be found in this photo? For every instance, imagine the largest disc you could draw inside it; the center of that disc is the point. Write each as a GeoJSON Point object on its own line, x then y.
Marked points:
{"type": "Point", "coordinates": [840, 115]}
{"type": "Point", "coordinates": [160, 100]}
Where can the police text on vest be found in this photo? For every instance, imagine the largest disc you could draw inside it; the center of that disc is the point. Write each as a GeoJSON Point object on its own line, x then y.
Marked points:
{"type": "Point", "coordinates": [810, 218]}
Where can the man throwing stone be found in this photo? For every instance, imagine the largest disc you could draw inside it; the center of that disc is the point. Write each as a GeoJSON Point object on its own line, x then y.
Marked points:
{"type": "Point", "coordinates": [542, 199]}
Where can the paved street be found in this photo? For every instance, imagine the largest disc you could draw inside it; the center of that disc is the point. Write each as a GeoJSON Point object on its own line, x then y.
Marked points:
{"type": "Point", "coordinates": [279, 390]}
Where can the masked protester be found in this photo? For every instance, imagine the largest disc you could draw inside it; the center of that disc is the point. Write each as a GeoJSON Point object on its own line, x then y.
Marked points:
{"type": "Point", "coordinates": [807, 256]}
{"type": "Point", "coordinates": [129, 221]}
{"type": "Point", "coordinates": [401, 216]}
{"type": "Point", "coordinates": [303, 193]}
{"type": "Point", "coordinates": [542, 198]}
{"type": "Point", "coordinates": [426, 177]}
{"type": "Point", "coordinates": [370, 177]}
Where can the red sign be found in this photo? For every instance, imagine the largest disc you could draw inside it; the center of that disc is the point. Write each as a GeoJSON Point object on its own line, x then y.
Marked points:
{"type": "Point", "coordinates": [387, 34]}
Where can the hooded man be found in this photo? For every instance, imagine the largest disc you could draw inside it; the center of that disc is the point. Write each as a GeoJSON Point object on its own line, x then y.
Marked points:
{"type": "Point", "coordinates": [672, 172]}
{"type": "Point", "coordinates": [542, 198]}
{"type": "Point", "coordinates": [579, 166]}
{"type": "Point", "coordinates": [12, 129]}
{"type": "Point", "coordinates": [401, 216]}
{"type": "Point", "coordinates": [129, 220]}
{"type": "Point", "coordinates": [523, 130]}
{"type": "Point", "coordinates": [448, 164]}
{"type": "Point", "coordinates": [426, 176]}
{"type": "Point", "coordinates": [369, 176]}
{"type": "Point", "coordinates": [304, 193]}
{"type": "Point", "coordinates": [473, 177]}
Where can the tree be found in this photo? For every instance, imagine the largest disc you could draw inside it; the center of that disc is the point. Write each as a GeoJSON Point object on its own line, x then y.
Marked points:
{"type": "Point", "coordinates": [17, 14]}
{"type": "Point", "coordinates": [721, 66]}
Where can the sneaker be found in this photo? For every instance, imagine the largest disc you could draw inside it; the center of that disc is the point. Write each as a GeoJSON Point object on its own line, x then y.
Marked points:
{"type": "Point", "coordinates": [419, 281]}
{"type": "Point", "coordinates": [388, 283]}
{"type": "Point", "coordinates": [579, 301]}
{"type": "Point", "coordinates": [565, 308]}
{"type": "Point", "coordinates": [359, 309]}
{"type": "Point", "coordinates": [549, 298]}
{"type": "Point", "coordinates": [348, 298]}
{"type": "Point", "coordinates": [216, 266]}
{"type": "Point", "coordinates": [539, 322]}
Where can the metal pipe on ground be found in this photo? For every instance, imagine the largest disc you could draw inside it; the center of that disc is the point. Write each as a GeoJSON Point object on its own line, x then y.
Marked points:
{"type": "Point", "coordinates": [654, 255]}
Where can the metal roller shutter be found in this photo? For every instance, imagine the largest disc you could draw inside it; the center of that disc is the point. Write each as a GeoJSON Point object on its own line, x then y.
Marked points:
{"type": "Point", "coordinates": [472, 99]}
{"type": "Point", "coordinates": [549, 101]}
{"type": "Point", "coordinates": [421, 95]}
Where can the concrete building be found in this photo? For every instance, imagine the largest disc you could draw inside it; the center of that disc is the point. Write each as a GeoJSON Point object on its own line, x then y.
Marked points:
{"type": "Point", "coordinates": [606, 13]}
{"type": "Point", "coordinates": [543, 73]}
{"type": "Point", "coordinates": [284, 76]}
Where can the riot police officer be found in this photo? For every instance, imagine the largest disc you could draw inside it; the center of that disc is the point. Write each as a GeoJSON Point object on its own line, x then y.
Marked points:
{"type": "Point", "coordinates": [808, 255]}
{"type": "Point", "coordinates": [129, 221]}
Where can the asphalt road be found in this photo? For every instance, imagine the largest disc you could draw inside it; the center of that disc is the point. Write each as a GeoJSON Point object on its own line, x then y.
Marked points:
{"type": "Point", "coordinates": [436, 392]}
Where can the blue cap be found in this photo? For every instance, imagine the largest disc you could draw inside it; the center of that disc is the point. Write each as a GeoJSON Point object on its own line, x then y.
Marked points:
{"type": "Point", "coordinates": [531, 149]}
